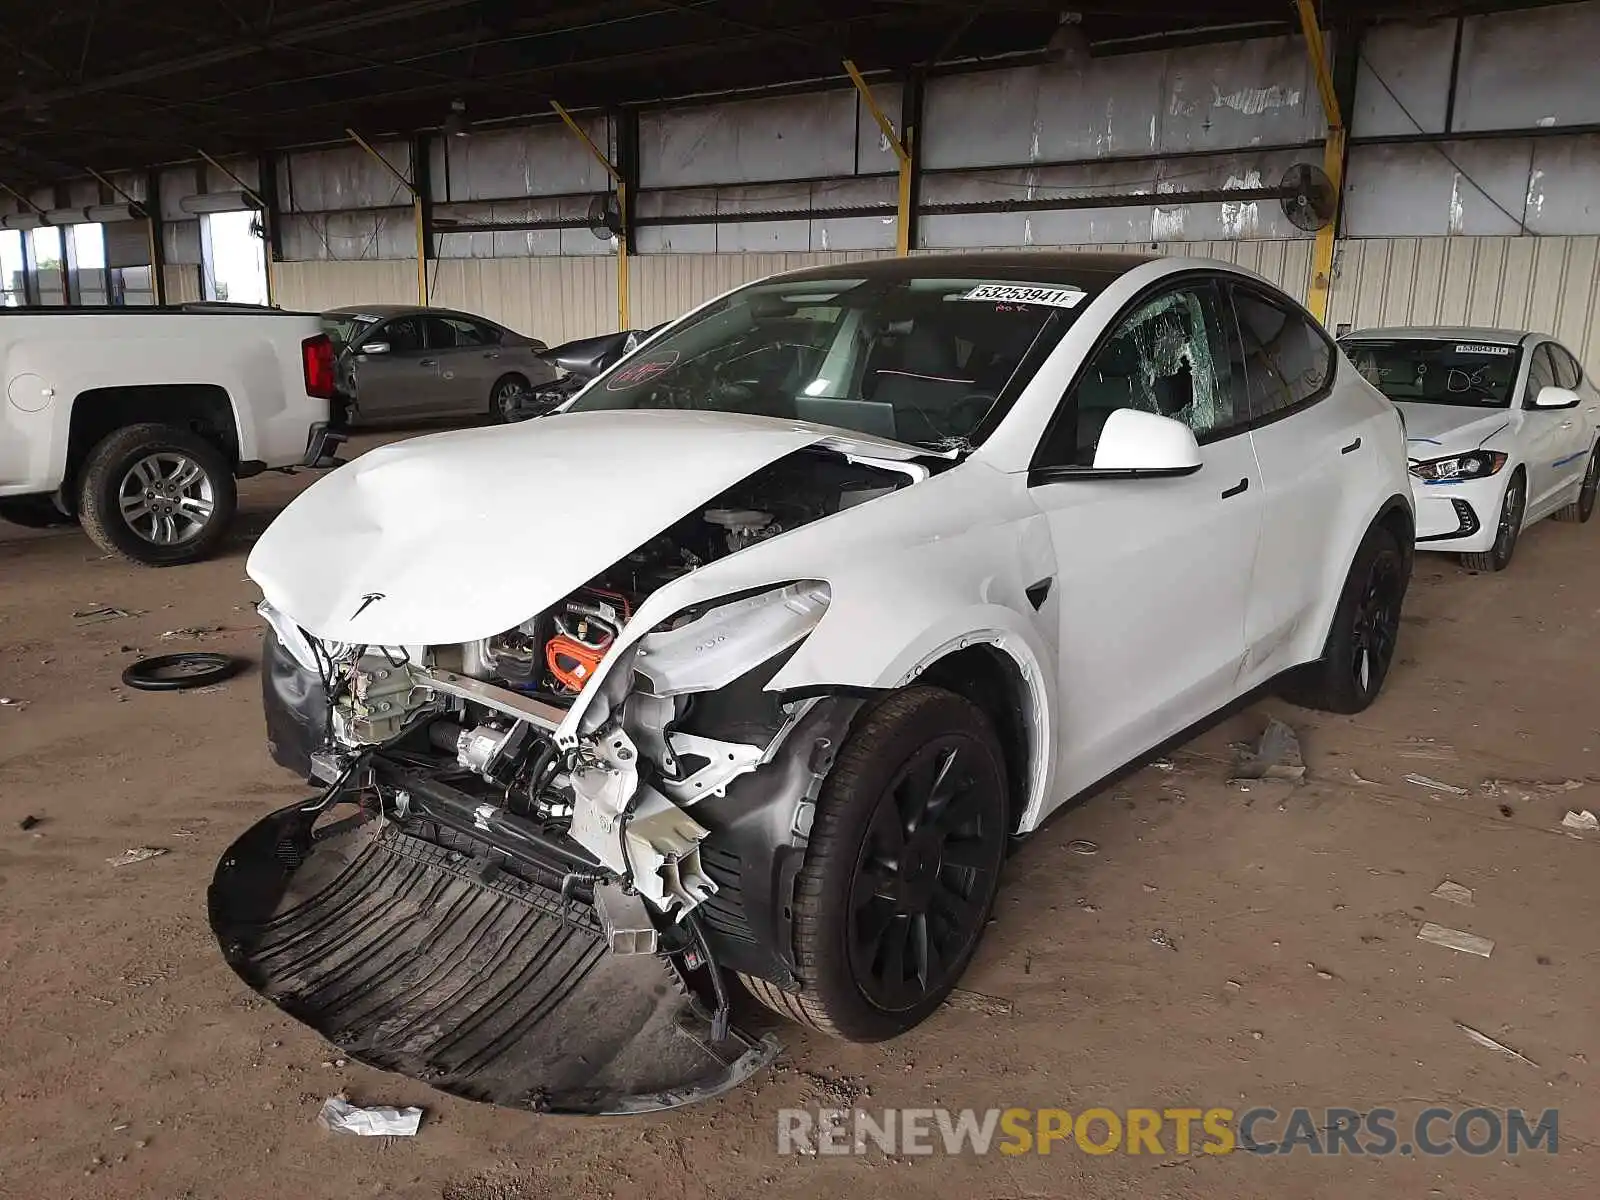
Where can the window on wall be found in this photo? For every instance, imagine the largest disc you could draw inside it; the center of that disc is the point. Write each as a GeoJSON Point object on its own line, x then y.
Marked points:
{"type": "Point", "coordinates": [234, 258]}
{"type": "Point", "coordinates": [87, 246]}
{"type": "Point", "coordinates": [13, 265]}
{"type": "Point", "coordinates": [49, 264]}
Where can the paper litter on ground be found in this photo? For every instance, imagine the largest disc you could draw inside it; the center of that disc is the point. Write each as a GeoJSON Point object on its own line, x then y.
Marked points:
{"type": "Point", "coordinates": [340, 1116]}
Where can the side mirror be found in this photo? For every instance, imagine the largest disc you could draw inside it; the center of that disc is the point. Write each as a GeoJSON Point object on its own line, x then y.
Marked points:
{"type": "Point", "coordinates": [375, 348]}
{"type": "Point", "coordinates": [1556, 397]}
{"type": "Point", "coordinates": [1145, 444]}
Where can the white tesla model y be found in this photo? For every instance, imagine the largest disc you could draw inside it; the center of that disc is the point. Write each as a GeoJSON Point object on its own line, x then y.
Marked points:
{"type": "Point", "coordinates": [751, 659]}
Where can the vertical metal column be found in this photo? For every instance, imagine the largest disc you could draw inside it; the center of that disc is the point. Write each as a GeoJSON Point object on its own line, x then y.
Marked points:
{"type": "Point", "coordinates": [1332, 159]}
{"type": "Point", "coordinates": [624, 207]}
{"type": "Point", "coordinates": [902, 143]}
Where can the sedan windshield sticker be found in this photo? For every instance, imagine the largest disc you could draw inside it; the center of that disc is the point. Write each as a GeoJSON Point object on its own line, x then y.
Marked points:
{"type": "Point", "coordinates": [1010, 293]}
{"type": "Point", "coordinates": [1498, 350]}
{"type": "Point", "coordinates": [641, 372]}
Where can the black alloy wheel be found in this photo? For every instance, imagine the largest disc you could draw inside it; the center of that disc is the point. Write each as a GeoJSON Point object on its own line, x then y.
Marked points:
{"type": "Point", "coordinates": [1581, 509]}
{"type": "Point", "coordinates": [1376, 629]}
{"type": "Point", "coordinates": [901, 868]}
{"type": "Point", "coordinates": [506, 401]}
{"type": "Point", "coordinates": [1507, 531]}
{"type": "Point", "coordinates": [1591, 484]}
{"type": "Point", "coordinates": [920, 895]}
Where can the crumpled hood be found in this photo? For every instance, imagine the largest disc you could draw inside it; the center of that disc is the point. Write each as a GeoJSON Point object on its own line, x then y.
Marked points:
{"type": "Point", "coordinates": [1433, 430]}
{"type": "Point", "coordinates": [459, 536]}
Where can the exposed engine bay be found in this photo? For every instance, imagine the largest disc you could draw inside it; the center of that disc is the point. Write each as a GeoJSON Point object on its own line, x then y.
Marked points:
{"type": "Point", "coordinates": [675, 724]}
{"type": "Point", "coordinates": [645, 839]}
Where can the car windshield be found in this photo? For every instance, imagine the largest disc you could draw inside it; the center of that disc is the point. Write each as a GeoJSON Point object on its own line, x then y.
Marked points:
{"type": "Point", "coordinates": [344, 328]}
{"type": "Point", "coordinates": [922, 361]}
{"type": "Point", "coordinates": [1443, 371]}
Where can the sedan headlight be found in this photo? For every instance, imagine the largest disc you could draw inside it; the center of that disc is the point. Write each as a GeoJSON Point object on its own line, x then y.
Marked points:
{"type": "Point", "coordinates": [1475, 464]}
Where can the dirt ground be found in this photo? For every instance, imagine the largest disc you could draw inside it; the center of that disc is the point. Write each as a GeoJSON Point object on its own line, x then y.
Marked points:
{"type": "Point", "coordinates": [134, 1064]}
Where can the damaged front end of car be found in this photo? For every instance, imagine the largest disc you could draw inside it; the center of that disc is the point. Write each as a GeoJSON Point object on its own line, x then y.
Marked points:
{"type": "Point", "coordinates": [540, 856]}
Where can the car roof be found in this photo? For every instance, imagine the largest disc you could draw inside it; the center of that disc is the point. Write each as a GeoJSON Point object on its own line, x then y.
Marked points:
{"type": "Point", "coordinates": [1035, 266]}
{"type": "Point", "coordinates": [1462, 333]}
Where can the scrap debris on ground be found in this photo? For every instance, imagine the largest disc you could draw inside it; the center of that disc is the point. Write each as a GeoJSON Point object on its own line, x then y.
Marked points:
{"type": "Point", "coordinates": [1434, 785]}
{"type": "Point", "coordinates": [1455, 939]}
{"type": "Point", "coordinates": [1489, 1043]}
{"type": "Point", "coordinates": [137, 854]}
{"type": "Point", "coordinates": [1276, 755]}
{"type": "Point", "coordinates": [101, 613]}
{"type": "Point", "coordinates": [1453, 892]}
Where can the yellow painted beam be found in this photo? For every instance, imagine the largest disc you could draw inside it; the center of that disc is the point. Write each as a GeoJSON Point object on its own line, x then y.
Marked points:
{"type": "Point", "coordinates": [902, 152]}
{"type": "Point", "coordinates": [622, 207]}
{"type": "Point", "coordinates": [416, 213]}
{"type": "Point", "coordinates": [1332, 159]}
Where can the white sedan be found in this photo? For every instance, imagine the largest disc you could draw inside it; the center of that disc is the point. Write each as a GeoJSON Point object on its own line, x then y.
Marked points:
{"type": "Point", "coordinates": [752, 659]}
{"type": "Point", "coordinates": [1501, 429]}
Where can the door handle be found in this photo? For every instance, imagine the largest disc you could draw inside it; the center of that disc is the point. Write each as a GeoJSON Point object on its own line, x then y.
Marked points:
{"type": "Point", "coordinates": [1242, 486]}
{"type": "Point", "coordinates": [1566, 424]}
{"type": "Point", "coordinates": [429, 362]}
{"type": "Point", "coordinates": [491, 354]}
{"type": "Point", "coordinates": [1351, 448]}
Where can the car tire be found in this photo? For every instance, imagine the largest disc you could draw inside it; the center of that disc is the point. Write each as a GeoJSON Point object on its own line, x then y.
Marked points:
{"type": "Point", "coordinates": [183, 513]}
{"type": "Point", "coordinates": [901, 869]}
{"type": "Point", "coordinates": [504, 396]}
{"type": "Point", "coordinates": [34, 512]}
{"type": "Point", "coordinates": [1581, 509]}
{"type": "Point", "coordinates": [1513, 508]}
{"type": "Point", "coordinates": [1366, 628]}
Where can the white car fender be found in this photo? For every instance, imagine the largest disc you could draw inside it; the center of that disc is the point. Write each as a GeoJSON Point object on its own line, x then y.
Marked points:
{"type": "Point", "coordinates": [1001, 628]}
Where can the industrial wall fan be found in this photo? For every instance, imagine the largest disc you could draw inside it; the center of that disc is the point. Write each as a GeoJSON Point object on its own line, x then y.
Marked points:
{"type": "Point", "coordinates": [605, 218]}
{"type": "Point", "coordinates": [1308, 197]}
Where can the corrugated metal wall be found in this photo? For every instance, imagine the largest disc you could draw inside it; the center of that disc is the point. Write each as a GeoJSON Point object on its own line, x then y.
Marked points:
{"type": "Point", "coordinates": [560, 298]}
{"type": "Point", "coordinates": [1493, 229]}
{"type": "Point", "coordinates": [316, 285]}
{"type": "Point", "coordinates": [181, 282]}
{"type": "Point", "coordinates": [555, 299]}
{"type": "Point", "coordinates": [1551, 284]}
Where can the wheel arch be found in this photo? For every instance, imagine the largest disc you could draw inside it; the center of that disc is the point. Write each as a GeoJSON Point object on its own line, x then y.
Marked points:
{"type": "Point", "coordinates": [206, 410]}
{"type": "Point", "coordinates": [1396, 516]}
{"type": "Point", "coordinates": [993, 681]}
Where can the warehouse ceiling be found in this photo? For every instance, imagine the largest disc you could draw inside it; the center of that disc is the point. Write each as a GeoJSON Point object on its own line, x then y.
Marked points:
{"type": "Point", "coordinates": [114, 84]}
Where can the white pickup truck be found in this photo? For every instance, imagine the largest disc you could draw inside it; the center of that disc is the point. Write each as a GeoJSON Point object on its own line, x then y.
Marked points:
{"type": "Point", "coordinates": [137, 422]}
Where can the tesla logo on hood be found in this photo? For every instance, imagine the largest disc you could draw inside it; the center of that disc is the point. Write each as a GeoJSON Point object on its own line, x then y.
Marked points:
{"type": "Point", "coordinates": [367, 602]}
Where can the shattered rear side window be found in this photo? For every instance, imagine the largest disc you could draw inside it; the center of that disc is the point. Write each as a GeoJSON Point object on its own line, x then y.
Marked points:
{"type": "Point", "coordinates": [1172, 341]}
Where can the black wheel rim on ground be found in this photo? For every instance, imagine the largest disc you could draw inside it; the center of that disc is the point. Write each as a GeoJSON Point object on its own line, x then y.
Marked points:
{"type": "Point", "coordinates": [927, 867]}
{"type": "Point", "coordinates": [1510, 520]}
{"type": "Point", "coordinates": [179, 672]}
{"type": "Point", "coordinates": [1591, 483]}
{"type": "Point", "coordinates": [1377, 624]}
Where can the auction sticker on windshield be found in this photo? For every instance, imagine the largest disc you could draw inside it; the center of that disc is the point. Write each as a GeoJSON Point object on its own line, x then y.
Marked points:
{"type": "Point", "coordinates": [1503, 350]}
{"type": "Point", "coordinates": [1011, 293]}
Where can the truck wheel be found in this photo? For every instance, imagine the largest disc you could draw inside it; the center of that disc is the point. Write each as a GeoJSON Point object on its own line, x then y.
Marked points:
{"type": "Point", "coordinates": [901, 871]}
{"type": "Point", "coordinates": [156, 495]}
